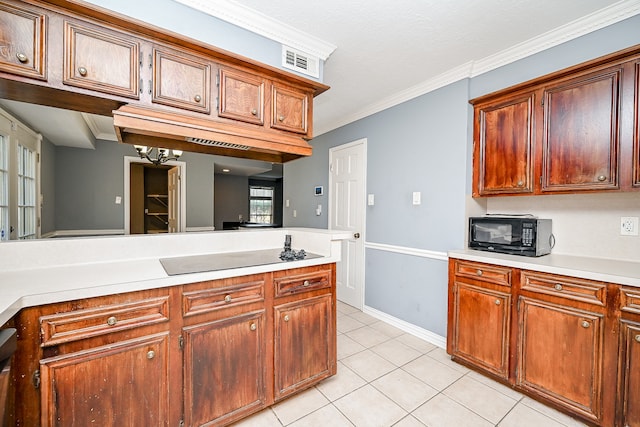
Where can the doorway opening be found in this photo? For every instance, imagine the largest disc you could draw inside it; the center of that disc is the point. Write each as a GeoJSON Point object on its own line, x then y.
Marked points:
{"type": "Point", "coordinates": [154, 197]}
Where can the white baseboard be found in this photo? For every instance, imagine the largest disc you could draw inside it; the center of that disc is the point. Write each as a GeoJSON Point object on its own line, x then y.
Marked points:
{"type": "Point", "coordinates": [407, 327]}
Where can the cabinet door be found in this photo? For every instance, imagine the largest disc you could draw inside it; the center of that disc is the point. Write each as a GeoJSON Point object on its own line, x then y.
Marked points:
{"type": "Point", "coordinates": [581, 133]}
{"type": "Point", "coordinates": [482, 319]}
{"type": "Point", "coordinates": [629, 373]}
{"type": "Point", "coordinates": [241, 96]}
{"type": "Point", "coordinates": [290, 109]}
{"type": "Point", "coordinates": [123, 384]}
{"type": "Point", "coordinates": [504, 147]}
{"type": "Point", "coordinates": [101, 60]}
{"type": "Point", "coordinates": [636, 133]}
{"type": "Point", "coordinates": [303, 344]}
{"type": "Point", "coordinates": [225, 368]}
{"type": "Point", "coordinates": [561, 354]}
{"type": "Point", "coordinates": [22, 41]}
{"type": "Point", "coordinates": [181, 80]}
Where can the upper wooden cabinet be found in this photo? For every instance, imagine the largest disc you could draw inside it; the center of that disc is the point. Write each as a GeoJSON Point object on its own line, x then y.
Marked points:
{"type": "Point", "coordinates": [581, 125]}
{"type": "Point", "coordinates": [504, 146]}
{"type": "Point", "coordinates": [23, 34]}
{"type": "Point", "coordinates": [241, 96]}
{"type": "Point", "coordinates": [181, 80]}
{"type": "Point", "coordinates": [290, 109]}
{"type": "Point", "coordinates": [570, 131]}
{"type": "Point", "coordinates": [101, 60]}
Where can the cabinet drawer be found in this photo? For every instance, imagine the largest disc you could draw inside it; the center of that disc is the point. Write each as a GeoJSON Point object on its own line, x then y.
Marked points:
{"type": "Point", "coordinates": [565, 287]}
{"type": "Point", "coordinates": [486, 273]}
{"type": "Point", "coordinates": [302, 282]}
{"type": "Point", "coordinates": [630, 300]}
{"type": "Point", "coordinates": [22, 42]}
{"type": "Point", "coordinates": [219, 297]}
{"type": "Point", "coordinates": [80, 324]}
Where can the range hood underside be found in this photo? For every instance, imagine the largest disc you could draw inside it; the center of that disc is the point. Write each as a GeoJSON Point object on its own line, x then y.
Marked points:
{"type": "Point", "coordinates": [144, 126]}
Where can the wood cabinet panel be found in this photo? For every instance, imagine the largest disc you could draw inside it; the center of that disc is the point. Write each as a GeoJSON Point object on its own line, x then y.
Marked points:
{"type": "Point", "coordinates": [225, 369]}
{"type": "Point", "coordinates": [293, 284]}
{"type": "Point", "coordinates": [241, 96]}
{"type": "Point", "coordinates": [636, 127]}
{"type": "Point", "coordinates": [561, 355]}
{"type": "Point", "coordinates": [101, 60]}
{"type": "Point", "coordinates": [304, 347]}
{"type": "Point", "coordinates": [570, 288]}
{"type": "Point", "coordinates": [181, 80]}
{"type": "Point", "coordinates": [485, 272]}
{"type": "Point", "coordinates": [211, 296]}
{"type": "Point", "coordinates": [482, 324]}
{"type": "Point", "coordinates": [290, 109]}
{"type": "Point", "coordinates": [629, 374]}
{"type": "Point", "coordinates": [122, 384]}
{"type": "Point", "coordinates": [23, 34]}
{"type": "Point", "coordinates": [503, 156]}
{"type": "Point", "coordinates": [81, 324]}
{"type": "Point", "coordinates": [581, 132]}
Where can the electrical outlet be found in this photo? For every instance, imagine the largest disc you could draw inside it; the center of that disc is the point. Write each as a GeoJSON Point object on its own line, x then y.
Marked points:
{"type": "Point", "coordinates": [629, 226]}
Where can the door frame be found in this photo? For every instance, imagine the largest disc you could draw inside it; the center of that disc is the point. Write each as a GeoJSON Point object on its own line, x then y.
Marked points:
{"type": "Point", "coordinates": [363, 215]}
{"type": "Point", "coordinates": [182, 226]}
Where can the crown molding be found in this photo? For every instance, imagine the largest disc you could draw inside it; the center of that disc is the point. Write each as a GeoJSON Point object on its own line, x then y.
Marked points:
{"type": "Point", "coordinates": [263, 25]}
{"type": "Point", "coordinates": [602, 18]}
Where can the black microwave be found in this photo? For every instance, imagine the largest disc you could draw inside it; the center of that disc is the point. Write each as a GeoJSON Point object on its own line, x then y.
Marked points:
{"type": "Point", "coordinates": [515, 235]}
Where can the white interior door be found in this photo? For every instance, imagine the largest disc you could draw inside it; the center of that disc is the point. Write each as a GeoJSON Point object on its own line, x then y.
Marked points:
{"type": "Point", "coordinates": [347, 184]}
{"type": "Point", "coordinates": [174, 199]}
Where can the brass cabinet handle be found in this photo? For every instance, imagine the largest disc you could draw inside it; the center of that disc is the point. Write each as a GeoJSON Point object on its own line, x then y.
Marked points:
{"type": "Point", "coordinates": [111, 321]}
{"type": "Point", "coordinates": [197, 98]}
{"type": "Point", "coordinates": [286, 317]}
{"type": "Point", "coordinates": [638, 338]}
{"type": "Point", "coordinates": [22, 57]}
{"type": "Point", "coordinates": [151, 354]}
{"type": "Point", "coordinates": [558, 287]}
{"type": "Point", "coordinates": [281, 118]}
{"type": "Point", "coordinates": [253, 327]}
{"type": "Point", "coordinates": [227, 298]}
{"type": "Point", "coordinates": [82, 71]}
{"type": "Point", "coordinates": [498, 302]}
{"type": "Point", "coordinates": [479, 272]}
{"type": "Point", "coordinates": [254, 112]}
{"type": "Point", "coordinates": [520, 183]}
{"type": "Point", "coordinates": [585, 324]}
{"type": "Point", "coordinates": [306, 283]}
{"type": "Point", "coordinates": [602, 178]}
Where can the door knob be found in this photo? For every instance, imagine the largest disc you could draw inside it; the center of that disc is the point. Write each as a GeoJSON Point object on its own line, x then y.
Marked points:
{"type": "Point", "coordinates": [356, 235]}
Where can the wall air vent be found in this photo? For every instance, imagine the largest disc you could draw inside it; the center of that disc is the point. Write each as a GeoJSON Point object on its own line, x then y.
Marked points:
{"type": "Point", "coordinates": [301, 62]}
{"type": "Point", "coordinates": [220, 144]}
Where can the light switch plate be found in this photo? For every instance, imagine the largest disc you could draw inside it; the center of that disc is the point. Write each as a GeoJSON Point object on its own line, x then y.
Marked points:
{"type": "Point", "coordinates": [370, 200]}
{"type": "Point", "coordinates": [416, 197]}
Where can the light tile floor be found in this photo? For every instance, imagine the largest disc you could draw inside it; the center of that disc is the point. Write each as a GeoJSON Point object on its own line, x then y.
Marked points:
{"type": "Point", "coordinates": [389, 378]}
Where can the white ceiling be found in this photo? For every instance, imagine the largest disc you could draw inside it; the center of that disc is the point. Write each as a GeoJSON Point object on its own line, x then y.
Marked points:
{"type": "Point", "coordinates": [379, 53]}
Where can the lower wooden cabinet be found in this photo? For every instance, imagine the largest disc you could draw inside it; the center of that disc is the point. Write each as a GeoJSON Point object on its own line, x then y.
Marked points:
{"type": "Point", "coordinates": [123, 384]}
{"type": "Point", "coordinates": [304, 344]}
{"type": "Point", "coordinates": [480, 321]}
{"type": "Point", "coordinates": [225, 368]}
{"type": "Point", "coordinates": [561, 355]}
{"type": "Point", "coordinates": [201, 354]}
{"type": "Point", "coordinates": [569, 342]}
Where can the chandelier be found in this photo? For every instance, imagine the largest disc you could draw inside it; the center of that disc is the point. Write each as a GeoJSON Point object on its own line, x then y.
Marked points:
{"type": "Point", "coordinates": [157, 156]}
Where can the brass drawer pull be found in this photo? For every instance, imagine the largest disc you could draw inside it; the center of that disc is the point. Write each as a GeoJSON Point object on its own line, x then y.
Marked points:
{"type": "Point", "coordinates": [22, 58]}
{"type": "Point", "coordinates": [286, 317]}
{"type": "Point", "coordinates": [479, 272]}
{"type": "Point", "coordinates": [82, 71]}
{"type": "Point", "coordinates": [306, 283]}
{"type": "Point", "coordinates": [151, 354]}
{"type": "Point", "coordinates": [253, 327]}
{"type": "Point", "coordinates": [227, 298]}
{"type": "Point", "coordinates": [585, 324]}
{"type": "Point", "coordinates": [254, 112]}
{"type": "Point", "coordinates": [637, 338]}
{"type": "Point", "coordinates": [602, 178]}
{"type": "Point", "coordinates": [498, 302]}
{"type": "Point", "coordinates": [197, 98]}
{"type": "Point", "coordinates": [558, 287]}
{"type": "Point", "coordinates": [281, 118]}
{"type": "Point", "coordinates": [520, 183]}
{"type": "Point", "coordinates": [111, 321]}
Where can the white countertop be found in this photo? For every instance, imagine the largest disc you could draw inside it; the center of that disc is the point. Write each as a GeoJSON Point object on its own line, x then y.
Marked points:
{"type": "Point", "coordinates": [602, 269]}
{"type": "Point", "coordinates": [54, 270]}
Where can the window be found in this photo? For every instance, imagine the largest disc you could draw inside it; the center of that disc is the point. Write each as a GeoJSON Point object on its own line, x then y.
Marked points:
{"type": "Point", "coordinates": [26, 193]}
{"type": "Point", "coordinates": [4, 189]}
{"type": "Point", "coordinates": [261, 204]}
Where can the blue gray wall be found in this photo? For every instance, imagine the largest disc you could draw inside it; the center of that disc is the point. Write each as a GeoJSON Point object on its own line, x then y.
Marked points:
{"type": "Point", "coordinates": [425, 145]}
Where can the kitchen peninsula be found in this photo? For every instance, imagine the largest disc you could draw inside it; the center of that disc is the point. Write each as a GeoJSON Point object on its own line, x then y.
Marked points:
{"type": "Point", "coordinates": [107, 336]}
